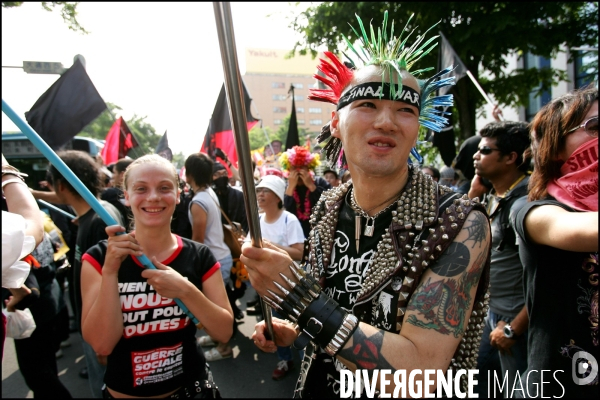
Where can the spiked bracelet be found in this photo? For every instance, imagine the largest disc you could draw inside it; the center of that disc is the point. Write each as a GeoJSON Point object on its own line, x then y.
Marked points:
{"type": "Point", "coordinates": [318, 317]}
{"type": "Point", "coordinates": [320, 322]}
{"type": "Point", "coordinates": [343, 334]}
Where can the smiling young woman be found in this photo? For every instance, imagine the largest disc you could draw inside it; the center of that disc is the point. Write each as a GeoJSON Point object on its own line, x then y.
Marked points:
{"type": "Point", "coordinates": [129, 314]}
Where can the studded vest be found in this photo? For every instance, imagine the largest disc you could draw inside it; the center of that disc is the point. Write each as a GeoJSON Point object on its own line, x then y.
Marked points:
{"type": "Point", "coordinates": [425, 222]}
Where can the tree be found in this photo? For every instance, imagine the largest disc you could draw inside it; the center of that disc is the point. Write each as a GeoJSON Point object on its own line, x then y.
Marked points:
{"type": "Point", "coordinates": [142, 130]}
{"type": "Point", "coordinates": [68, 12]}
{"type": "Point", "coordinates": [258, 138]}
{"type": "Point", "coordinates": [482, 34]}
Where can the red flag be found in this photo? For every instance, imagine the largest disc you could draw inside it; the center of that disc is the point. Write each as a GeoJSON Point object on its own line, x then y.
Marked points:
{"type": "Point", "coordinates": [119, 141]}
{"type": "Point", "coordinates": [219, 133]}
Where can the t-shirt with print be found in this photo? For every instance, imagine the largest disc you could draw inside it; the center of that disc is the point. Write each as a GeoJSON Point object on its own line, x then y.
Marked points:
{"type": "Point", "coordinates": [286, 231]}
{"type": "Point", "coordinates": [157, 352]}
{"type": "Point", "coordinates": [561, 294]}
{"type": "Point", "coordinates": [344, 279]}
{"type": "Point", "coordinates": [91, 231]}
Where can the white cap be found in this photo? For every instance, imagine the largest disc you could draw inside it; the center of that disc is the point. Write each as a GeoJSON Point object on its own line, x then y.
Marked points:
{"type": "Point", "coordinates": [274, 184]}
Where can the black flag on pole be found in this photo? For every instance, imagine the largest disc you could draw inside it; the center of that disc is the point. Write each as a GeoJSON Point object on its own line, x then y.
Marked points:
{"type": "Point", "coordinates": [449, 57]}
{"type": "Point", "coordinates": [444, 140]}
{"type": "Point", "coordinates": [163, 149]}
{"type": "Point", "coordinates": [293, 138]}
{"type": "Point", "coordinates": [66, 107]}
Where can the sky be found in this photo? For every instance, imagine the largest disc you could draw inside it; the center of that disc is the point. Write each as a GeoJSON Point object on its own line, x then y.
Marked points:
{"type": "Point", "coordinates": [155, 59]}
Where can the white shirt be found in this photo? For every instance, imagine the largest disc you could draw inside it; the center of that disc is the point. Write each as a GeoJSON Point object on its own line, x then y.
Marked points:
{"type": "Point", "coordinates": [286, 231]}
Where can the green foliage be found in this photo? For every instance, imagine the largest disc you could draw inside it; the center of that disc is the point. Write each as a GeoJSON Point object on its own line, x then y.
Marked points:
{"type": "Point", "coordinates": [142, 130]}
{"type": "Point", "coordinates": [258, 138]}
{"type": "Point", "coordinates": [179, 160]}
{"type": "Point", "coordinates": [482, 34]}
{"type": "Point", "coordinates": [68, 12]}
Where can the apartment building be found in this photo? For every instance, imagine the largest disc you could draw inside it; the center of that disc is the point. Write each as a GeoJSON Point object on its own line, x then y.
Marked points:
{"type": "Point", "coordinates": [268, 78]}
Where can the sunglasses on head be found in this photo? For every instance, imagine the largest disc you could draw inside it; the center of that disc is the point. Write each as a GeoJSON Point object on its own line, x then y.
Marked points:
{"type": "Point", "coordinates": [590, 126]}
{"type": "Point", "coordinates": [485, 150]}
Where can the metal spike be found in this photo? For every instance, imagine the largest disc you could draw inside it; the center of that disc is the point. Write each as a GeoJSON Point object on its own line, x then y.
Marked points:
{"type": "Point", "coordinates": [295, 272]}
{"type": "Point", "coordinates": [401, 311]}
{"type": "Point", "coordinates": [283, 290]}
{"type": "Point", "coordinates": [279, 299]}
{"type": "Point", "coordinates": [408, 281]}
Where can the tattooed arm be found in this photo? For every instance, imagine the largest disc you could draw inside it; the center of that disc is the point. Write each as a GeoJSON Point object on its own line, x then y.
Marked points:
{"type": "Point", "coordinates": [437, 314]}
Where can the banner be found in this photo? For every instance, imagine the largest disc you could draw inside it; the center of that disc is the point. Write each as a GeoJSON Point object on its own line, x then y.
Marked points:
{"type": "Point", "coordinates": [449, 57]}
{"type": "Point", "coordinates": [219, 133]}
{"type": "Point", "coordinates": [293, 138]}
{"type": "Point", "coordinates": [119, 141]}
{"type": "Point", "coordinates": [66, 107]}
{"type": "Point", "coordinates": [163, 149]}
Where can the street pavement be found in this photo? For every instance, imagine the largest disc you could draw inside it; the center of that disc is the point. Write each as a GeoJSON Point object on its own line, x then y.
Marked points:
{"type": "Point", "coordinates": [245, 375]}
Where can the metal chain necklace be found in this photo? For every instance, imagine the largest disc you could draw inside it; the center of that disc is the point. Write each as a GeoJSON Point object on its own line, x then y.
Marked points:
{"type": "Point", "coordinates": [369, 229]}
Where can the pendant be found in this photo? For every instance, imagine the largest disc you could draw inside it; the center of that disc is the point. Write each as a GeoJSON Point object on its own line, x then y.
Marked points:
{"type": "Point", "coordinates": [369, 229]}
{"type": "Point", "coordinates": [357, 223]}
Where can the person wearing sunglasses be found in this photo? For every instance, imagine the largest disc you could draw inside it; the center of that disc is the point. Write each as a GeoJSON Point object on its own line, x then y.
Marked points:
{"type": "Point", "coordinates": [558, 245]}
{"type": "Point", "coordinates": [499, 159]}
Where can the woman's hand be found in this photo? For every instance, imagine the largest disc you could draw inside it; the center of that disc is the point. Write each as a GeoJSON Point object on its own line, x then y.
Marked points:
{"type": "Point", "coordinates": [167, 282]}
{"type": "Point", "coordinates": [284, 332]}
{"type": "Point", "coordinates": [119, 247]}
{"type": "Point", "coordinates": [264, 265]}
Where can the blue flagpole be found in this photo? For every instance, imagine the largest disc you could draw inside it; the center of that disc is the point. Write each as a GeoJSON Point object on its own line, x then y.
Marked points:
{"type": "Point", "coordinates": [84, 192]}
{"type": "Point", "coordinates": [52, 206]}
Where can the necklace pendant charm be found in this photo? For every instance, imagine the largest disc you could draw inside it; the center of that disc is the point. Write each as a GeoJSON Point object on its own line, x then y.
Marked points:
{"type": "Point", "coordinates": [357, 227]}
{"type": "Point", "coordinates": [369, 229]}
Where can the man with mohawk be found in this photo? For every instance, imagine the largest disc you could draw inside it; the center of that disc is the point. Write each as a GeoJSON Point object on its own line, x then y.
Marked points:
{"type": "Point", "coordinates": [398, 266]}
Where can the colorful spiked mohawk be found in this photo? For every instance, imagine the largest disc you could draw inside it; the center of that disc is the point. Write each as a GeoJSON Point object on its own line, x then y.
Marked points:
{"type": "Point", "coordinates": [391, 53]}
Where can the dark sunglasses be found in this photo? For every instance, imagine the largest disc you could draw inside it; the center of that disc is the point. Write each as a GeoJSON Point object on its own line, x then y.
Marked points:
{"type": "Point", "coordinates": [590, 126]}
{"type": "Point", "coordinates": [485, 150]}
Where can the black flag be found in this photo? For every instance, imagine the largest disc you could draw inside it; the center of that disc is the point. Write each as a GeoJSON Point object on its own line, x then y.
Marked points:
{"type": "Point", "coordinates": [293, 138]}
{"type": "Point", "coordinates": [66, 107]}
{"type": "Point", "coordinates": [444, 140]}
{"type": "Point", "coordinates": [449, 57]}
{"type": "Point", "coordinates": [163, 149]}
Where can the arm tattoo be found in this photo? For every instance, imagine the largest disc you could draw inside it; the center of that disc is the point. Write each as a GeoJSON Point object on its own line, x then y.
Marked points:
{"type": "Point", "coordinates": [477, 229]}
{"type": "Point", "coordinates": [455, 260]}
{"type": "Point", "coordinates": [365, 351]}
{"type": "Point", "coordinates": [442, 305]}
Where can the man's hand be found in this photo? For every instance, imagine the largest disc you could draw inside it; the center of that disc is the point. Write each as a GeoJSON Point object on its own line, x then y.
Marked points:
{"type": "Point", "coordinates": [264, 265]}
{"type": "Point", "coordinates": [499, 341]}
{"type": "Point", "coordinates": [477, 189]}
{"type": "Point", "coordinates": [284, 332]}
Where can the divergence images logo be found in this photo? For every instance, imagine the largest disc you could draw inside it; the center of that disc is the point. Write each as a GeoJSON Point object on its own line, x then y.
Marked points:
{"type": "Point", "coordinates": [584, 364]}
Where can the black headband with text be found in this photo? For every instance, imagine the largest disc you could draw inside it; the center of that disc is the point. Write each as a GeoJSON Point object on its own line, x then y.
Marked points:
{"type": "Point", "coordinates": [380, 91]}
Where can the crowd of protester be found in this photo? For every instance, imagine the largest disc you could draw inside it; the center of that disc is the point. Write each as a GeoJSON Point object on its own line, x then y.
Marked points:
{"type": "Point", "coordinates": [538, 182]}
